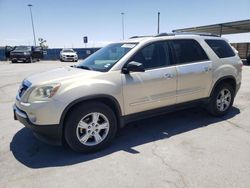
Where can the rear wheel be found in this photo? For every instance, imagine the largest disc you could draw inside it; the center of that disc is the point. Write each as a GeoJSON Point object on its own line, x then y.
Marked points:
{"type": "Point", "coordinates": [90, 127]}
{"type": "Point", "coordinates": [221, 100]}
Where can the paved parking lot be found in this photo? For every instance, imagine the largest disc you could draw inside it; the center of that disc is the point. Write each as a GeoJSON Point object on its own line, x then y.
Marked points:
{"type": "Point", "coordinates": [183, 149]}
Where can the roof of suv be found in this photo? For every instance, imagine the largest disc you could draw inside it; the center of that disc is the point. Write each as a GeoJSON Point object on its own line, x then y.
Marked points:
{"type": "Point", "coordinates": [138, 39]}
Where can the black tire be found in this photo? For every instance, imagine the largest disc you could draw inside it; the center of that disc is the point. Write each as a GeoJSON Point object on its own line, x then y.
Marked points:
{"type": "Point", "coordinates": [74, 118]}
{"type": "Point", "coordinates": [212, 106]}
{"type": "Point", "coordinates": [13, 61]}
{"type": "Point", "coordinates": [30, 60]}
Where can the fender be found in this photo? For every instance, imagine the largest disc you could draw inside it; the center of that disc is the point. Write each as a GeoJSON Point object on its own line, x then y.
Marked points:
{"type": "Point", "coordinates": [220, 80]}
{"type": "Point", "coordinates": [118, 111]}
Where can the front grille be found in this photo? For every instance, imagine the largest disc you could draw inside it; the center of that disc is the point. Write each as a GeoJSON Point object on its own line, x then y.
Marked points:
{"type": "Point", "coordinates": [24, 86]}
{"type": "Point", "coordinates": [69, 55]}
{"type": "Point", "coordinates": [17, 53]}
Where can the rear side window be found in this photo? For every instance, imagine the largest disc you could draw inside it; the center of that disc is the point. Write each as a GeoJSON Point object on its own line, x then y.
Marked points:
{"type": "Point", "coordinates": [188, 50]}
{"type": "Point", "coordinates": [221, 48]}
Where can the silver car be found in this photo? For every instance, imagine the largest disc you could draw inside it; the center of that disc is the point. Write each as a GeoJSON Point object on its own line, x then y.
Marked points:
{"type": "Point", "coordinates": [84, 105]}
{"type": "Point", "coordinates": [68, 54]}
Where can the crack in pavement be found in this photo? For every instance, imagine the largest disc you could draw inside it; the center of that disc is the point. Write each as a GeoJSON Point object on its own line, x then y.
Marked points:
{"type": "Point", "coordinates": [238, 126]}
{"type": "Point", "coordinates": [10, 84]}
{"type": "Point", "coordinates": [169, 167]}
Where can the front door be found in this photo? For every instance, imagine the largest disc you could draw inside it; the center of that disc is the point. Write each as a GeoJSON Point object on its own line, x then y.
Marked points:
{"type": "Point", "coordinates": [154, 88]}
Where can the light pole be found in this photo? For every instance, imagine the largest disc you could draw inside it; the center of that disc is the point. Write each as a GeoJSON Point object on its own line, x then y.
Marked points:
{"type": "Point", "coordinates": [158, 24]}
{"type": "Point", "coordinates": [122, 25]}
{"type": "Point", "coordinates": [34, 35]}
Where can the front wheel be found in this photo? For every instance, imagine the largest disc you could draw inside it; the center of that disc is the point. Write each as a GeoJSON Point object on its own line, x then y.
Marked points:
{"type": "Point", "coordinates": [221, 100]}
{"type": "Point", "coordinates": [90, 127]}
{"type": "Point", "coordinates": [30, 60]}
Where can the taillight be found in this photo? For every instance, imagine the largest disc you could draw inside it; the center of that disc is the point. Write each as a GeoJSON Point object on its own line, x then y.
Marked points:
{"type": "Point", "coordinates": [241, 66]}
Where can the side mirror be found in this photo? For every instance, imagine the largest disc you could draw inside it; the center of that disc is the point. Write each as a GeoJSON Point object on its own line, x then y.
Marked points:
{"type": "Point", "coordinates": [133, 66]}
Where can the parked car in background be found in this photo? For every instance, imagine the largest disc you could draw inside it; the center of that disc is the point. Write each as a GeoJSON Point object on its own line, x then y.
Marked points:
{"type": "Point", "coordinates": [25, 54]}
{"type": "Point", "coordinates": [8, 49]}
{"type": "Point", "coordinates": [68, 54]}
{"type": "Point", "coordinates": [248, 59]}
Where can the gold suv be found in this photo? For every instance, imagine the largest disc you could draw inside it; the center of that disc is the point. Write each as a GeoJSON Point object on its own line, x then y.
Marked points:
{"type": "Point", "coordinates": [84, 105]}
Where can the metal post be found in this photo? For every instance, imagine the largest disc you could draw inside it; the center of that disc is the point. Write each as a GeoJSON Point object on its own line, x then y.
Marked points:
{"type": "Point", "coordinates": [122, 25]}
{"type": "Point", "coordinates": [220, 30]}
{"type": "Point", "coordinates": [34, 35]}
{"type": "Point", "coordinates": [158, 25]}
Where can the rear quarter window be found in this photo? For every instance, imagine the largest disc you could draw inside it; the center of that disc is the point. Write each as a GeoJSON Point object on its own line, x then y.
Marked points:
{"type": "Point", "coordinates": [221, 48]}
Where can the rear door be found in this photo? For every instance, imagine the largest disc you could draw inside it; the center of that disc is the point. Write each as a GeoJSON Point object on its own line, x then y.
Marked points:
{"type": "Point", "coordinates": [154, 88]}
{"type": "Point", "coordinates": [193, 69]}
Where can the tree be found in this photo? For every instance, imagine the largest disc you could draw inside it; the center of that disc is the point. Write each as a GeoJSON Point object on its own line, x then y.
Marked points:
{"type": "Point", "coordinates": [42, 43]}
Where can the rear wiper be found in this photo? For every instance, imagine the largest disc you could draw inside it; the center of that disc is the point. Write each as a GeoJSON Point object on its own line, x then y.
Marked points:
{"type": "Point", "coordinates": [81, 67]}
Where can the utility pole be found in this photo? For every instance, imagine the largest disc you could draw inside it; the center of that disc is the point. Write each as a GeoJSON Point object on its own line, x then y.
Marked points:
{"type": "Point", "coordinates": [122, 25]}
{"type": "Point", "coordinates": [158, 24]}
{"type": "Point", "coordinates": [33, 29]}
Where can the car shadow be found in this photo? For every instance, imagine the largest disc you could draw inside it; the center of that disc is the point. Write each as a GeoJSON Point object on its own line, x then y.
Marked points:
{"type": "Point", "coordinates": [35, 154]}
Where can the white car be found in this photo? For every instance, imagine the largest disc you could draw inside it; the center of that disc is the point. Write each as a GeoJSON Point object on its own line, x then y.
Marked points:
{"type": "Point", "coordinates": [68, 55]}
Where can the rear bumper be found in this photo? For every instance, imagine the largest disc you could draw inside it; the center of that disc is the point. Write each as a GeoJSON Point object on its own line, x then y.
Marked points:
{"type": "Point", "coordinates": [51, 134]}
{"type": "Point", "coordinates": [237, 88]}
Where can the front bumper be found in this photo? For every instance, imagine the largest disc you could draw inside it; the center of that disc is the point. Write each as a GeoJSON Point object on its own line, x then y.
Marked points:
{"type": "Point", "coordinates": [20, 57]}
{"type": "Point", "coordinates": [51, 134]}
{"type": "Point", "coordinates": [65, 58]}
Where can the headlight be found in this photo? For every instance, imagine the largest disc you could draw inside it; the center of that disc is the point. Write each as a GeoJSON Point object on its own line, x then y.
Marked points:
{"type": "Point", "coordinates": [26, 53]}
{"type": "Point", "coordinates": [43, 93]}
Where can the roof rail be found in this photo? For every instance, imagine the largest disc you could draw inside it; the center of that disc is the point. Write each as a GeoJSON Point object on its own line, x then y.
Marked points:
{"type": "Point", "coordinates": [164, 34]}
{"type": "Point", "coordinates": [134, 37]}
{"type": "Point", "coordinates": [196, 33]}
{"type": "Point", "coordinates": [186, 33]}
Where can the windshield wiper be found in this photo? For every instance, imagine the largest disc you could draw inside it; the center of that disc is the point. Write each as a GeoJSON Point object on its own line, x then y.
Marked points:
{"type": "Point", "coordinates": [81, 67]}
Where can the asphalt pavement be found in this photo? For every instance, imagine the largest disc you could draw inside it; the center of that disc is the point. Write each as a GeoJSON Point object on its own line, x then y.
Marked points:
{"type": "Point", "coordinates": [187, 148]}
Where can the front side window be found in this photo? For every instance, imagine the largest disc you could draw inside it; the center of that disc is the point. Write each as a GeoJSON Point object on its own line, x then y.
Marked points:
{"type": "Point", "coordinates": [188, 50]}
{"type": "Point", "coordinates": [221, 48]}
{"type": "Point", "coordinates": [103, 59]}
{"type": "Point", "coordinates": [153, 55]}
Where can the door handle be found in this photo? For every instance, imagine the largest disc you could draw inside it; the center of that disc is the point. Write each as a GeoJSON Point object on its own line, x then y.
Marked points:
{"type": "Point", "coordinates": [168, 76]}
{"type": "Point", "coordinates": [207, 69]}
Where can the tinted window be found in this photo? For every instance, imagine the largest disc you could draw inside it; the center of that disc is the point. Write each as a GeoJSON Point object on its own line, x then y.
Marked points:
{"type": "Point", "coordinates": [221, 48]}
{"type": "Point", "coordinates": [153, 55]}
{"type": "Point", "coordinates": [188, 50]}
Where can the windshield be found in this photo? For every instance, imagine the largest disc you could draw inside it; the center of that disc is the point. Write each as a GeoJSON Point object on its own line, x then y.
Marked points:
{"type": "Point", "coordinates": [24, 48]}
{"type": "Point", "coordinates": [68, 50]}
{"type": "Point", "coordinates": [105, 58]}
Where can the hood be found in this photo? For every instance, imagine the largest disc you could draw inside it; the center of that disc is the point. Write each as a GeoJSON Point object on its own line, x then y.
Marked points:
{"type": "Point", "coordinates": [18, 51]}
{"type": "Point", "coordinates": [68, 53]}
{"type": "Point", "coordinates": [59, 75]}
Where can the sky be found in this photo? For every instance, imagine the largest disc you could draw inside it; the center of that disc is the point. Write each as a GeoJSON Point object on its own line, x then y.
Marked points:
{"type": "Point", "coordinates": [64, 23]}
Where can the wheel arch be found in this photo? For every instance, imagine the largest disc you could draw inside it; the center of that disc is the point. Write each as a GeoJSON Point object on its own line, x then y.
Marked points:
{"type": "Point", "coordinates": [106, 99]}
{"type": "Point", "coordinates": [225, 79]}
